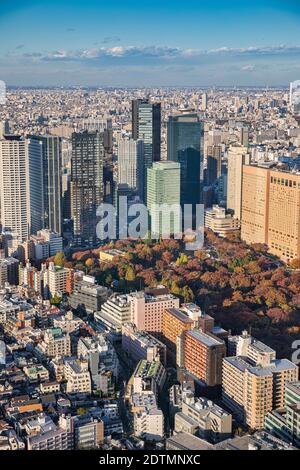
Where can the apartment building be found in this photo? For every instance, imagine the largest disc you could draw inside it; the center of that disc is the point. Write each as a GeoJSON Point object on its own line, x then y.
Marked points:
{"type": "Point", "coordinates": [149, 377]}
{"type": "Point", "coordinates": [88, 296]}
{"type": "Point", "coordinates": [147, 308]}
{"type": "Point", "coordinates": [149, 424]}
{"type": "Point", "coordinates": [115, 312]}
{"type": "Point", "coordinates": [174, 322]}
{"type": "Point", "coordinates": [54, 344]}
{"type": "Point", "coordinates": [285, 422]}
{"type": "Point", "coordinates": [55, 280]}
{"type": "Point", "coordinates": [202, 355]}
{"type": "Point", "coordinates": [251, 391]}
{"type": "Point", "coordinates": [141, 345]}
{"type": "Point", "coordinates": [202, 417]}
{"type": "Point", "coordinates": [78, 376]}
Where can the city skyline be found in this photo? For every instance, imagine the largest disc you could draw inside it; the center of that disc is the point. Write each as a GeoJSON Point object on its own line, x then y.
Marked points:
{"type": "Point", "coordinates": [94, 44]}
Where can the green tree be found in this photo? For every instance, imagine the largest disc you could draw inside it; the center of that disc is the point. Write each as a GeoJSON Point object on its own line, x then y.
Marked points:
{"type": "Point", "coordinates": [182, 260]}
{"type": "Point", "coordinates": [188, 294]}
{"type": "Point", "coordinates": [60, 259]}
{"type": "Point", "coordinates": [55, 300]}
{"type": "Point", "coordinates": [108, 280]}
{"type": "Point", "coordinates": [130, 274]}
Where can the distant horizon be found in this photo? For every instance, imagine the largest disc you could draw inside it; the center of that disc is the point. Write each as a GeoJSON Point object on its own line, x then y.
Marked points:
{"type": "Point", "coordinates": [131, 87]}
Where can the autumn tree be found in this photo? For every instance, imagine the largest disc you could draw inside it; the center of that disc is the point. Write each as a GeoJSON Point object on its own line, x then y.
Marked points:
{"type": "Point", "coordinates": [59, 259]}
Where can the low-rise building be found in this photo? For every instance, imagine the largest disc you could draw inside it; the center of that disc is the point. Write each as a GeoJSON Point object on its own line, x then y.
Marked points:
{"type": "Point", "coordinates": [141, 345]}
{"type": "Point", "coordinates": [220, 222]}
{"type": "Point", "coordinates": [78, 377]}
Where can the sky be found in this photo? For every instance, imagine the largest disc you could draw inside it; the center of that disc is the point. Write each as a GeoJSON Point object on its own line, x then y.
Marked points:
{"type": "Point", "coordinates": [149, 43]}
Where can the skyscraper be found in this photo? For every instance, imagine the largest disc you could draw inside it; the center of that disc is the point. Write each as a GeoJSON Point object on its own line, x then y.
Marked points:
{"type": "Point", "coordinates": [295, 96]}
{"type": "Point", "coordinates": [237, 157]}
{"type": "Point", "coordinates": [244, 136]}
{"type": "Point", "coordinates": [50, 185]}
{"type": "Point", "coordinates": [185, 141]}
{"type": "Point", "coordinates": [204, 102]}
{"type": "Point", "coordinates": [36, 173]}
{"type": "Point", "coordinates": [4, 129]}
{"type": "Point", "coordinates": [14, 187]}
{"type": "Point", "coordinates": [214, 163]}
{"type": "Point", "coordinates": [135, 117]}
{"type": "Point", "coordinates": [146, 125]}
{"type": "Point", "coordinates": [131, 164]}
{"type": "Point", "coordinates": [163, 188]}
{"type": "Point", "coordinates": [86, 184]}
{"type": "Point", "coordinates": [270, 210]}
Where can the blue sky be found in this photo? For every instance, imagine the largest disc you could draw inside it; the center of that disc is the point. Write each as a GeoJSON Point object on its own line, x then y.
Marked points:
{"type": "Point", "coordinates": [149, 43]}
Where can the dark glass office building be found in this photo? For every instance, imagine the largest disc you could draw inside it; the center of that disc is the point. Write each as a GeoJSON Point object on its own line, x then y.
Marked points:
{"type": "Point", "coordinates": [50, 188]}
{"type": "Point", "coordinates": [185, 144]}
{"type": "Point", "coordinates": [146, 126]}
{"type": "Point", "coordinates": [86, 185]}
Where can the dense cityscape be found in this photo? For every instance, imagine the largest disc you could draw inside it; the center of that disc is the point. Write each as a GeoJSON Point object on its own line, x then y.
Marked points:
{"type": "Point", "coordinates": [136, 343]}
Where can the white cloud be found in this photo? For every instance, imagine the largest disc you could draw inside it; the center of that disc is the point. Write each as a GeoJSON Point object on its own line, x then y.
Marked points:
{"type": "Point", "coordinates": [248, 68]}
{"type": "Point", "coordinates": [164, 52]}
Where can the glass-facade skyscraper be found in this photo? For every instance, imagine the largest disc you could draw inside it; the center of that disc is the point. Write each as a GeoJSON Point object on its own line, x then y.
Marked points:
{"type": "Point", "coordinates": [86, 184]}
{"type": "Point", "coordinates": [185, 143]}
{"type": "Point", "coordinates": [51, 187]}
{"type": "Point", "coordinates": [163, 188]}
{"type": "Point", "coordinates": [146, 126]}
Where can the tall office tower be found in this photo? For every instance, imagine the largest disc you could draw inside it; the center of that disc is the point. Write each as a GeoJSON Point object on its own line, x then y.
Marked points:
{"type": "Point", "coordinates": [14, 187]}
{"type": "Point", "coordinates": [214, 163]}
{"type": "Point", "coordinates": [131, 164]}
{"type": "Point", "coordinates": [48, 187]}
{"type": "Point", "coordinates": [86, 184]}
{"type": "Point", "coordinates": [4, 129]}
{"type": "Point", "coordinates": [237, 157]}
{"type": "Point", "coordinates": [66, 194]}
{"type": "Point", "coordinates": [135, 117]}
{"type": "Point", "coordinates": [244, 136]}
{"type": "Point", "coordinates": [295, 97]}
{"type": "Point", "coordinates": [185, 141]}
{"type": "Point", "coordinates": [163, 188]}
{"type": "Point", "coordinates": [204, 102]}
{"type": "Point", "coordinates": [103, 125]}
{"type": "Point", "coordinates": [36, 184]}
{"type": "Point", "coordinates": [146, 126]}
{"type": "Point", "coordinates": [270, 210]}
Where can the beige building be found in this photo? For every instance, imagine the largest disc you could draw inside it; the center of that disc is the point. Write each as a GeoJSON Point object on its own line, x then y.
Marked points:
{"type": "Point", "coordinates": [55, 280]}
{"type": "Point", "coordinates": [78, 376]}
{"type": "Point", "coordinates": [271, 210]}
{"type": "Point", "coordinates": [220, 222]}
{"type": "Point", "coordinates": [237, 157]}
{"type": "Point", "coordinates": [147, 308]}
{"type": "Point", "coordinates": [149, 424]}
{"type": "Point", "coordinates": [251, 391]}
{"type": "Point", "coordinates": [204, 418]}
{"type": "Point", "coordinates": [55, 344]}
